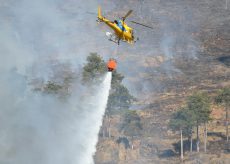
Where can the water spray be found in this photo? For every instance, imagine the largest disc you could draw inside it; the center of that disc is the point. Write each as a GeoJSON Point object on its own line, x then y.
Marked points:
{"type": "Point", "coordinates": [102, 98]}
{"type": "Point", "coordinates": [104, 95]}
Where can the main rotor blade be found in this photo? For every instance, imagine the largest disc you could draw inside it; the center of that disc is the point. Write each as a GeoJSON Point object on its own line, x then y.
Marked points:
{"type": "Point", "coordinates": [142, 24]}
{"type": "Point", "coordinates": [128, 13]}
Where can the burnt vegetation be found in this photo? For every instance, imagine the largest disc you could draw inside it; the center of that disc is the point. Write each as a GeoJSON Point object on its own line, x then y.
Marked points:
{"type": "Point", "coordinates": [185, 89]}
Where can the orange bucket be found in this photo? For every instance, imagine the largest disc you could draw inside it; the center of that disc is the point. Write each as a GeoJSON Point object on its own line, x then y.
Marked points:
{"type": "Point", "coordinates": [111, 65]}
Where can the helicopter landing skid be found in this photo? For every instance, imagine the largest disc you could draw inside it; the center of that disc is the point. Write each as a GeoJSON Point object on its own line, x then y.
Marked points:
{"type": "Point", "coordinates": [115, 41]}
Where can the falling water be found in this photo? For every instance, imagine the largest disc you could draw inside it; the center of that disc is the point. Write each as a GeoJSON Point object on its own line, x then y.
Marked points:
{"type": "Point", "coordinates": [99, 108]}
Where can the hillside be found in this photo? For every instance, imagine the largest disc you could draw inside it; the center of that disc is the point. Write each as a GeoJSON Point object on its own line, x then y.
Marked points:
{"type": "Point", "coordinates": [55, 85]}
{"type": "Point", "coordinates": [188, 51]}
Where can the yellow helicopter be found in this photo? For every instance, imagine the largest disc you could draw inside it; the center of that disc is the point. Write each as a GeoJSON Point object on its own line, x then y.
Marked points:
{"type": "Point", "coordinates": [121, 30]}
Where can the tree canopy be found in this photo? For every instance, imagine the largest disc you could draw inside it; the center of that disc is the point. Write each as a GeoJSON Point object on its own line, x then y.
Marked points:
{"type": "Point", "coordinates": [132, 123]}
{"type": "Point", "coordinates": [119, 98]}
{"type": "Point", "coordinates": [199, 104]}
{"type": "Point", "coordinates": [184, 120]}
{"type": "Point", "coordinates": [196, 111]}
{"type": "Point", "coordinates": [223, 97]}
{"type": "Point", "coordinates": [94, 69]}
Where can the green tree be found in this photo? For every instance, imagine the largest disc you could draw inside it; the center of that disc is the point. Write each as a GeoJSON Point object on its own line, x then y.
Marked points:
{"type": "Point", "coordinates": [119, 98]}
{"type": "Point", "coordinates": [183, 121]}
{"type": "Point", "coordinates": [223, 98]}
{"type": "Point", "coordinates": [93, 69]}
{"type": "Point", "coordinates": [199, 104]}
{"type": "Point", "coordinates": [132, 123]}
{"type": "Point", "coordinates": [52, 88]}
{"type": "Point", "coordinates": [116, 79]}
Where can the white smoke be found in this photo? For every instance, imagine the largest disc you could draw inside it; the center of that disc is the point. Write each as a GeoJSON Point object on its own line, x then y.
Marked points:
{"type": "Point", "coordinates": [35, 127]}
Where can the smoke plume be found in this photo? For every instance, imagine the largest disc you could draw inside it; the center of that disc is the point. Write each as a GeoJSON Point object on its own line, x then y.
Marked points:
{"type": "Point", "coordinates": [36, 127]}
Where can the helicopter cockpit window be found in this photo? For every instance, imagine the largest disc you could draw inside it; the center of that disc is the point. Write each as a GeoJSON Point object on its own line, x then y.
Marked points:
{"type": "Point", "coordinates": [119, 24]}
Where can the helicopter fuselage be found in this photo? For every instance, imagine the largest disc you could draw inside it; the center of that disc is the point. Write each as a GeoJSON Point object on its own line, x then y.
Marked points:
{"type": "Point", "coordinates": [121, 30]}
